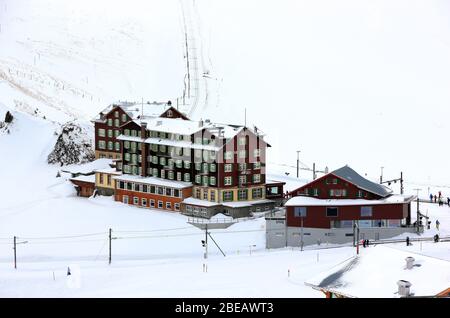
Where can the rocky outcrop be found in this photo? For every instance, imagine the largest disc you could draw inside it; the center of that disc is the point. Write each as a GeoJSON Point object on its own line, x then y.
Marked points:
{"type": "Point", "coordinates": [74, 145]}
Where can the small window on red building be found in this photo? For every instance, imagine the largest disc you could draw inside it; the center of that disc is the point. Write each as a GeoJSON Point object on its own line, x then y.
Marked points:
{"type": "Point", "coordinates": [332, 212]}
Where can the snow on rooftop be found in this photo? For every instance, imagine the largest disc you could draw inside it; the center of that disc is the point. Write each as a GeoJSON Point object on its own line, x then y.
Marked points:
{"type": "Point", "coordinates": [154, 181]}
{"type": "Point", "coordinates": [309, 201]}
{"type": "Point", "coordinates": [90, 178]}
{"type": "Point", "coordinates": [109, 171]}
{"type": "Point", "coordinates": [89, 167]}
{"type": "Point", "coordinates": [376, 271]}
{"type": "Point", "coordinates": [204, 203]}
{"type": "Point", "coordinates": [240, 204]}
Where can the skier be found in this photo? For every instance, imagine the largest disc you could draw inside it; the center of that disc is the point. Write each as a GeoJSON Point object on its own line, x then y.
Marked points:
{"type": "Point", "coordinates": [440, 194]}
{"type": "Point", "coordinates": [435, 198]}
{"type": "Point", "coordinates": [448, 201]}
{"type": "Point", "coordinates": [68, 271]}
{"type": "Point", "coordinates": [431, 197]}
{"type": "Point", "coordinates": [437, 224]}
{"type": "Point", "coordinates": [407, 241]}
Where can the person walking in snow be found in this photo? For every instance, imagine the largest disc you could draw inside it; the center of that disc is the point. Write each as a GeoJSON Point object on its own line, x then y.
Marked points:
{"type": "Point", "coordinates": [437, 224]}
{"type": "Point", "coordinates": [448, 201]}
{"type": "Point", "coordinates": [431, 197]}
{"type": "Point", "coordinates": [435, 198]}
{"type": "Point", "coordinates": [440, 194]}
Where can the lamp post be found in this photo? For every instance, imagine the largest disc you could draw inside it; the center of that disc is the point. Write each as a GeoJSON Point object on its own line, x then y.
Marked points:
{"type": "Point", "coordinates": [298, 162]}
{"type": "Point", "coordinates": [301, 235]}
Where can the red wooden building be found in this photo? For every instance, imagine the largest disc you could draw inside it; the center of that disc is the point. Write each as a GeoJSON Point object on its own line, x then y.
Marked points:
{"type": "Point", "coordinates": [333, 206]}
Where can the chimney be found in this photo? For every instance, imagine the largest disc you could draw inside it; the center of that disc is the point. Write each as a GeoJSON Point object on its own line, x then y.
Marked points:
{"type": "Point", "coordinates": [404, 288]}
{"type": "Point", "coordinates": [200, 123]}
{"type": "Point", "coordinates": [169, 103]}
{"type": "Point", "coordinates": [409, 262]}
{"type": "Point", "coordinates": [143, 130]}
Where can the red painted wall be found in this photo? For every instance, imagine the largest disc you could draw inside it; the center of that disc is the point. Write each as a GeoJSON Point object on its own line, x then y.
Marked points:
{"type": "Point", "coordinates": [149, 196]}
{"type": "Point", "coordinates": [316, 215]}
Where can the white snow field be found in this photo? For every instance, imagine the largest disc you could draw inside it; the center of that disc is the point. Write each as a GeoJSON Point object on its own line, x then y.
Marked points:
{"type": "Point", "coordinates": [309, 73]}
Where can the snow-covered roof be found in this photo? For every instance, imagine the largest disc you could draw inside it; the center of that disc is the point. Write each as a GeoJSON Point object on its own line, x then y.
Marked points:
{"type": "Point", "coordinates": [109, 171]}
{"type": "Point", "coordinates": [90, 178]}
{"type": "Point", "coordinates": [241, 204]}
{"type": "Point", "coordinates": [353, 177]}
{"type": "Point", "coordinates": [89, 167]}
{"type": "Point", "coordinates": [309, 201]}
{"type": "Point", "coordinates": [169, 142]}
{"type": "Point", "coordinates": [154, 181]}
{"type": "Point", "coordinates": [138, 110]}
{"type": "Point", "coordinates": [376, 271]}
{"type": "Point", "coordinates": [198, 202]}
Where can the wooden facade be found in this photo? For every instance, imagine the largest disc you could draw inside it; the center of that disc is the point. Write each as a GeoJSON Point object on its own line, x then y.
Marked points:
{"type": "Point", "coordinates": [84, 189]}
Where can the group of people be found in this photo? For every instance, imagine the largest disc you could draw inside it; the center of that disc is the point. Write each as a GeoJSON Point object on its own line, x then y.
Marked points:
{"type": "Point", "coordinates": [439, 199]}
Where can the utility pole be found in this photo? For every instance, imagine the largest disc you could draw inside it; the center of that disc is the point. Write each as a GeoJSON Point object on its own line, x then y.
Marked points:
{"type": "Point", "coordinates": [401, 183]}
{"type": "Point", "coordinates": [206, 242]}
{"type": "Point", "coordinates": [381, 176]}
{"type": "Point", "coordinates": [110, 239]}
{"type": "Point", "coordinates": [301, 236]}
{"type": "Point", "coordinates": [314, 171]}
{"type": "Point", "coordinates": [418, 211]}
{"type": "Point", "coordinates": [15, 252]}
{"type": "Point", "coordinates": [298, 162]}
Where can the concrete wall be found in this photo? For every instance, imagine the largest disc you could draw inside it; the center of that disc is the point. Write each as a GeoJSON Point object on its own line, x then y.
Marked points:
{"type": "Point", "coordinates": [292, 235]}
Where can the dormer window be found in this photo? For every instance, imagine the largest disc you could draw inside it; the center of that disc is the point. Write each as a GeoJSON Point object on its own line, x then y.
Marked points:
{"type": "Point", "coordinates": [169, 113]}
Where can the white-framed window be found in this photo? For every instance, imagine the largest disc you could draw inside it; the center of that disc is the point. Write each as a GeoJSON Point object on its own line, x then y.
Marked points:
{"type": "Point", "coordinates": [171, 175]}
{"type": "Point", "coordinates": [179, 163]}
{"type": "Point", "coordinates": [101, 132]}
{"type": "Point", "coordinates": [110, 122]}
{"type": "Point", "coordinates": [169, 192]}
{"type": "Point", "coordinates": [101, 144]}
{"type": "Point", "coordinates": [117, 146]}
{"type": "Point", "coordinates": [228, 167]}
{"type": "Point", "coordinates": [243, 195]}
{"type": "Point", "coordinates": [227, 196]}
{"type": "Point", "coordinates": [155, 160]}
{"type": "Point", "coordinates": [205, 167]}
{"type": "Point", "coordinates": [257, 165]}
{"type": "Point", "coordinates": [110, 145]}
{"type": "Point", "coordinates": [228, 181]}
{"type": "Point", "coordinates": [187, 165]}
{"type": "Point", "coordinates": [169, 113]}
{"type": "Point", "coordinates": [242, 154]}
{"type": "Point", "coordinates": [116, 114]}
{"type": "Point", "coordinates": [126, 144]}
{"type": "Point", "coordinates": [300, 211]}
{"type": "Point", "coordinates": [197, 153]}
{"type": "Point", "coordinates": [257, 153]}
{"type": "Point", "coordinates": [162, 161]}
{"type": "Point", "coordinates": [229, 155]}
{"type": "Point", "coordinates": [256, 178]}
{"type": "Point", "coordinates": [212, 167]}
{"type": "Point", "coordinates": [144, 202]}
{"type": "Point", "coordinates": [126, 132]}
{"type": "Point", "coordinates": [257, 193]}
{"type": "Point", "coordinates": [116, 123]}
{"type": "Point", "coordinates": [116, 133]}
{"type": "Point", "coordinates": [163, 174]}
{"type": "Point", "coordinates": [242, 166]}
{"type": "Point", "coordinates": [242, 180]}
{"type": "Point", "coordinates": [179, 176]}
{"type": "Point", "coordinates": [155, 172]}
{"type": "Point", "coordinates": [187, 177]}
{"type": "Point", "coordinates": [160, 204]}
{"type": "Point", "coordinates": [177, 206]}
{"type": "Point", "coordinates": [152, 203]}
{"type": "Point", "coordinates": [212, 181]}
{"type": "Point", "coordinates": [198, 179]}
{"type": "Point", "coordinates": [213, 196]}
{"type": "Point", "coordinates": [135, 200]}
{"type": "Point", "coordinates": [205, 195]}
{"type": "Point", "coordinates": [241, 141]}
{"type": "Point", "coordinates": [124, 118]}
{"type": "Point", "coordinates": [125, 199]}
{"type": "Point", "coordinates": [205, 181]}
